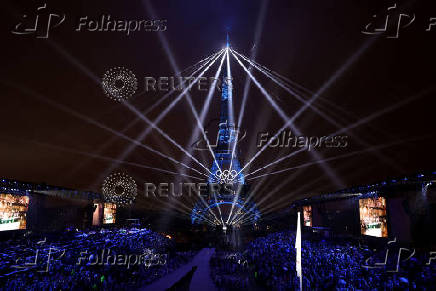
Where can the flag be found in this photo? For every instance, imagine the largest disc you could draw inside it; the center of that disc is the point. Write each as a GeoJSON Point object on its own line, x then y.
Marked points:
{"type": "Point", "coordinates": [298, 254]}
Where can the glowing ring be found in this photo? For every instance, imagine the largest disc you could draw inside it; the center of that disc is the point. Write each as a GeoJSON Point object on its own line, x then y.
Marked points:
{"type": "Point", "coordinates": [119, 83]}
{"type": "Point", "coordinates": [119, 181]}
{"type": "Point", "coordinates": [226, 176]}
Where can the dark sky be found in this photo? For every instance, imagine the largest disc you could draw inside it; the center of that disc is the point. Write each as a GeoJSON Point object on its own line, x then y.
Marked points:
{"type": "Point", "coordinates": [46, 82]}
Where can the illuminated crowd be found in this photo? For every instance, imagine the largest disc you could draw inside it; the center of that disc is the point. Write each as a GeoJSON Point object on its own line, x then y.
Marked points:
{"type": "Point", "coordinates": [333, 265]}
{"type": "Point", "coordinates": [73, 260]}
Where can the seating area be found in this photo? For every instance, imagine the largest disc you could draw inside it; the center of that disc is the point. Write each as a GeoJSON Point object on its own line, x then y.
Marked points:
{"type": "Point", "coordinates": [105, 260]}
{"type": "Point", "coordinates": [334, 265]}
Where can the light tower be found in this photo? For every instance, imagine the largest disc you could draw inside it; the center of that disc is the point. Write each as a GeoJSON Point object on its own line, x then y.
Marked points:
{"type": "Point", "coordinates": [226, 152]}
{"type": "Point", "coordinates": [229, 200]}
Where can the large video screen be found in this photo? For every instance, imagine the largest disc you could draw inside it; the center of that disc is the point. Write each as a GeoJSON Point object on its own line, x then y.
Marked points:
{"type": "Point", "coordinates": [13, 209]}
{"type": "Point", "coordinates": [373, 217]}
{"type": "Point", "coordinates": [307, 214]}
{"type": "Point", "coordinates": [109, 213]}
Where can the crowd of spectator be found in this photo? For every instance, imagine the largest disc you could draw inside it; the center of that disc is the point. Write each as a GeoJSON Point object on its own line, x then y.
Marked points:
{"type": "Point", "coordinates": [229, 271]}
{"type": "Point", "coordinates": [336, 265]}
{"type": "Point", "coordinates": [75, 260]}
{"type": "Point", "coordinates": [93, 260]}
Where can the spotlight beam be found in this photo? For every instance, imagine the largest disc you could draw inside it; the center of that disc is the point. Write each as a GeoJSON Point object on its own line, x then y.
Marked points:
{"type": "Point", "coordinates": [200, 119]}
{"type": "Point", "coordinates": [230, 89]}
{"type": "Point", "coordinates": [147, 131]}
{"type": "Point", "coordinates": [354, 125]}
{"type": "Point", "coordinates": [98, 124]}
{"type": "Point", "coordinates": [219, 208]}
{"type": "Point", "coordinates": [257, 38]}
{"type": "Point", "coordinates": [93, 77]}
{"type": "Point", "coordinates": [340, 157]}
{"type": "Point", "coordinates": [270, 193]}
{"type": "Point", "coordinates": [105, 158]}
{"type": "Point", "coordinates": [174, 65]}
{"type": "Point", "coordinates": [308, 103]}
{"type": "Point", "coordinates": [165, 135]}
{"type": "Point", "coordinates": [272, 207]}
{"type": "Point", "coordinates": [288, 123]}
{"type": "Point", "coordinates": [323, 88]}
{"type": "Point", "coordinates": [145, 113]}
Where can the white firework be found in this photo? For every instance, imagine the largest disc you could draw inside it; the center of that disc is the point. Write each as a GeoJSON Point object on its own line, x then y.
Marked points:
{"type": "Point", "coordinates": [119, 83]}
{"type": "Point", "coordinates": [119, 188]}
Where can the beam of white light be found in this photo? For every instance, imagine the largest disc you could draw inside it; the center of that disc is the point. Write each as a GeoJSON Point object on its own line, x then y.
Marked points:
{"type": "Point", "coordinates": [292, 92]}
{"type": "Point", "coordinates": [109, 159]}
{"type": "Point", "coordinates": [244, 218]}
{"type": "Point", "coordinates": [207, 206]}
{"type": "Point", "coordinates": [269, 193]}
{"type": "Point", "coordinates": [200, 121]}
{"type": "Point", "coordinates": [92, 76]}
{"type": "Point", "coordinates": [291, 84]}
{"type": "Point", "coordinates": [325, 86]}
{"type": "Point", "coordinates": [219, 209]}
{"type": "Point", "coordinates": [297, 193]}
{"type": "Point", "coordinates": [173, 63]}
{"type": "Point", "coordinates": [360, 122]}
{"type": "Point", "coordinates": [277, 161]}
{"type": "Point", "coordinates": [336, 108]}
{"type": "Point", "coordinates": [257, 37]}
{"type": "Point", "coordinates": [163, 98]}
{"type": "Point", "coordinates": [146, 112]}
{"type": "Point", "coordinates": [73, 151]}
{"type": "Point", "coordinates": [159, 118]}
{"type": "Point", "coordinates": [98, 124]}
{"type": "Point", "coordinates": [230, 89]}
{"type": "Point", "coordinates": [200, 63]}
{"type": "Point", "coordinates": [291, 194]}
{"type": "Point", "coordinates": [356, 124]}
{"type": "Point", "coordinates": [263, 115]}
{"type": "Point", "coordinates": [382, 112]}
{"type": "Point", "coordinates": [335, 76]}
{"type": "Point", "coordinates": [74, 61]}
{"type": "Point", "coordinates": [278, 187]}
{"type": "Point", "coordinates": [327, 169]}
{"type": "Point", "coordinates": [172, 60]}
{"type": "Point", "coordinates": [203, 113]}
{"type": "Point", "coordinates": [308, 103]}
{"type": "Point", "coordinates": [165, 135]}
{"type": "Point", "coordinates": [338, 157]}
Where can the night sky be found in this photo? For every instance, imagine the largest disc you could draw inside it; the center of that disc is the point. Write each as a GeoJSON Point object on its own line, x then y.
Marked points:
{"type": "Point", "coordinates": [46, 84]}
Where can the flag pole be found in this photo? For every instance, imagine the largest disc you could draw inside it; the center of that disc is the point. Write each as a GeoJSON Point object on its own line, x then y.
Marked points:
{"type": "Point", "coordinates": [298, 253]}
